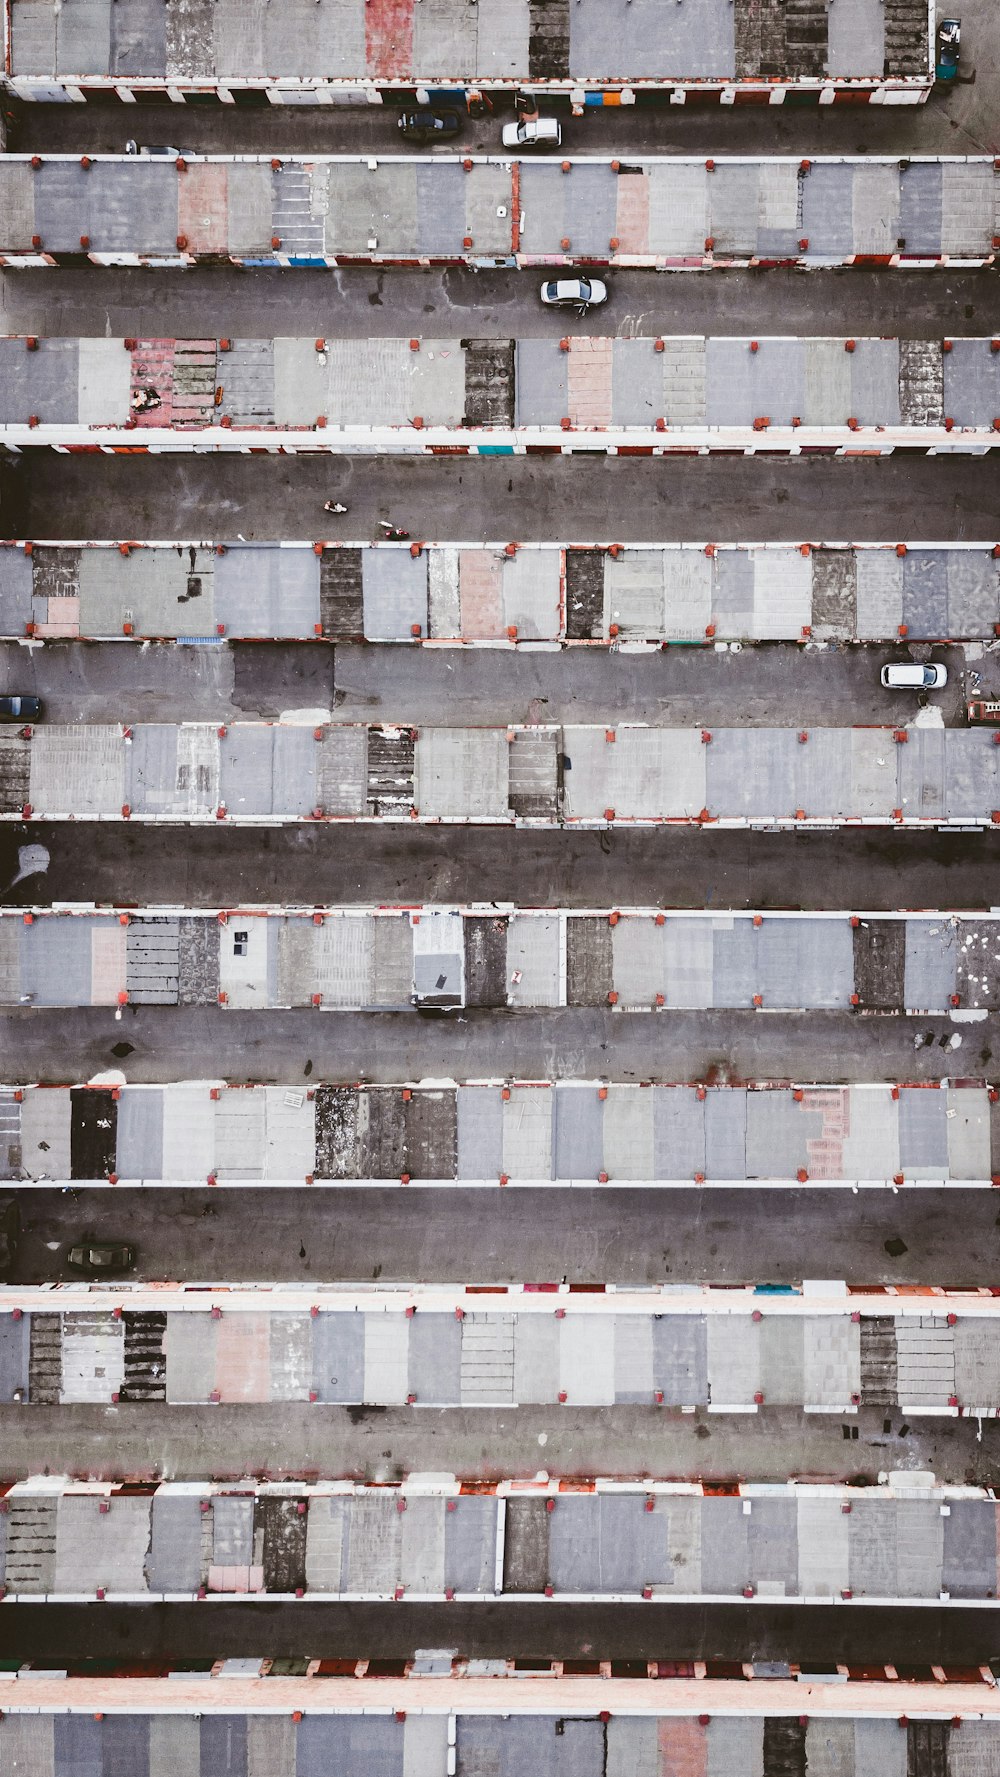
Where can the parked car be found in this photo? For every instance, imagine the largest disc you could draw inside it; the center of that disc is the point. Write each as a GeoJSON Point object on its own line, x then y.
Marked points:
{"type": "Point", "coordinates": [10, 1234]}
{"type": "Point", "coordinates": [156, 151]}
{"type": "Point", "coordinates": [578, 293]}
{"type": "Point", "coordinates": [949, 39]}
{"type": "Point", "coordinates": [905, 675]}
{"type": "Point", "coordinates": [528, 132]}
{"type": "Point", "coordinates": [98, 1258]}
{"type": "Point", "coordinates": [20, 709]}
{"type": "Point", "coordinates": [428, 126]}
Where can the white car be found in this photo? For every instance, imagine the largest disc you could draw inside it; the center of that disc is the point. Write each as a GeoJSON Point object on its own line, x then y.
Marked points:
{"type": "Point", "coordinates": [578, 293]}
{"type": "Point", "coordinates": [158, 151]}
{"type": "Point", "coordinates": [528, 132]}
{"type": "Point", "coordinates": [901, 675]}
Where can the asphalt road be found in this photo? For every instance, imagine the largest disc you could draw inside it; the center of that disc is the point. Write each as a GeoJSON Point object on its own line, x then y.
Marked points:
{"type": "Point", "coordinates": [878, 870]}
{"type": "Point", "coordinates": [615, 1235]}
{"type": "Point", "coordinates": [633, 499]}
{"type": "Point", "coordinates": [163, 1042]}
{"type": "Point", "coordinates": [383, 1444]}
{"type": "Point", "coordinates": [816, 1636]}
{"type": "Point", "coordinates": [361, 302]}
{"type": "Point", "coordinates": [771, 684]}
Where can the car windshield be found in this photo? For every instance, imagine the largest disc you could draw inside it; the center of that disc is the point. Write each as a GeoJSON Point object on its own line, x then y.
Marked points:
{"type": "Point", "coordinates": [583, 290]}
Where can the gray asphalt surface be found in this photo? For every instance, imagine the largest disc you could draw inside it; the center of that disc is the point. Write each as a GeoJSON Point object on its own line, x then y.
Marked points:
{"type": "Point", "coordinates": [297, 1441]}
{"type": "Point", "coordinates": [876, 870]}
{"type": "Point", "coordinates": [388, 302]}
{"type": "Point", "coordinates": [770, 684]}
{"type": "Point", "coordinates": [819, 1637]}
{"type": "Point", "coordinates": [614, 1235]}
{"type": "Point", "coordinates": [678, 499]}
{"type": "Point", "coordinates": [167, 1042]}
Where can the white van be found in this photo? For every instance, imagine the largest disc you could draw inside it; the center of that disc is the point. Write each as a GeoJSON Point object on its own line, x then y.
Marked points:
{"type": "Point", "coordinates": [529, 132]}
{"type": "Point", "coordinates": [902, 675]}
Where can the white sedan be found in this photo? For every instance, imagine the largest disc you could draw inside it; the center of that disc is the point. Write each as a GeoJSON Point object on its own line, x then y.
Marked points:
{"type": "Point", "coordinates": [578, 293]}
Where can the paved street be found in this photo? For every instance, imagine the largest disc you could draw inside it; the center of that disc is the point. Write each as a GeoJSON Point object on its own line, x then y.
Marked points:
{"type": "Point", "coordinates": [381, 1444]}
{"type": "Point", "coordinates": [360, 302]}
{"type": "Point", "coordinates": [828, 1047]}
{"type": "Point", "coordinates": [616, 1235]}
{"type": "Point", "coordinates": [321, 864]}
{"type": "Point", "coordinates": [816, 1636]}
{"type": "Point", "coordinates": [772, 684]}
{"type": "Point", "coordinates": [935, 499]}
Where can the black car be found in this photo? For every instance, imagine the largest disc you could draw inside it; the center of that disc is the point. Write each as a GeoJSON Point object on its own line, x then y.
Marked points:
{"type": "Point", "coordinates": [20, 709]}
{"type": "Point", "coordinates": [97, 1257]}
{"type": "Point", "coordinates": [429, 126]}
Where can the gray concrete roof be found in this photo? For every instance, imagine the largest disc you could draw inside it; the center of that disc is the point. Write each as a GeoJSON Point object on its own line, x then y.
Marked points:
{"type": "Point", "coordinates": [506, 1348]}
{"type": "Point", "coordinates": [910, 1542]}
{"type": "Point", "coordinates": [364, 391]}
{"type": "Point", "coordinates": [165, 40]}
{"type": "Point", "coordinates": [584, 776]}
{"type": "Point", "coordinates": [543, 591]}
{"type": "Point", "coordinates": [320, 209]}
{"type": "Point", "coordinates": [522, 1131]}
{"type": "Point", "coordinates": [584, 1718]}
{"type": "Point", "coordinates": [622, 1539]}
{"type": "Point", "coordinates": [597, 1726]}
{"type": "Point", "coordinates": [389, 958]}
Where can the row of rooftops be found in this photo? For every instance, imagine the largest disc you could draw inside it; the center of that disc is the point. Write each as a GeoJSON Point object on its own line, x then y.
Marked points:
{"type": "Point", "coordinates": [731, 1350]}
{"type": "Point", "coordinates": [386, 394]}
{"type": "Point", "coordinates": [501, 592]}
{"type": "Point", "coordinates": [440, 1681]}
{"type": "Point", "coordinates": [543, 775]}
{"type": "Point", "coordinates": [57, 45]}
{"type": "Point", "coordinates": [328, 209]}
{"type": "Point", "coordinates": [519, 1726]}
{"type": "Point", "coordinates": [511, 1132]}
{"type": "Point", "coordinates": [517, 1132]}
{"type": "Point", "coordinates": [909, 1543]}
{"type": "Point", "coordinates": [389, 958]}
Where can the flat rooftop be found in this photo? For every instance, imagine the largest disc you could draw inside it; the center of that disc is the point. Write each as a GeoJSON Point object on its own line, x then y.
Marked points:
{"type": "Point", "coordinates": [398, 41]}
{"type": "Point", "coordinates": [518, 1725]}
{"type": "Point", "coordinates": [910, 1542]}
{"type": "Point", "coordinates": [311, 210]}
{"type": "Point", "coordinates": [381, 592]}
{"type": "Point", "coordinates": [520, 1131]}
{"type": "Point", "coordinates": [362, 392]}
{"type": "Point", "coordinates": [729, 1350]}
{"type": "Point", "coordinates": [391, 958]}
{"type": "Point", "coordinates": [543, 775]}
